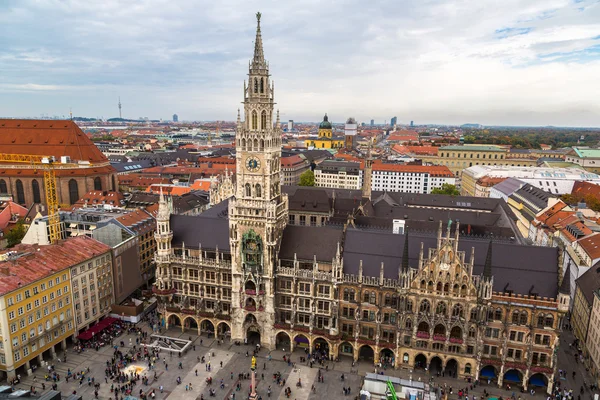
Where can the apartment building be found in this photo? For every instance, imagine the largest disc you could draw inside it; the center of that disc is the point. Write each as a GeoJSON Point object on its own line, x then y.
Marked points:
{"type": "Point", "coordinates": [339, 175]}
{"type": "Point", "coordinates": [410, 178]}
{"type": "Point", "coordinates": [36, 304]}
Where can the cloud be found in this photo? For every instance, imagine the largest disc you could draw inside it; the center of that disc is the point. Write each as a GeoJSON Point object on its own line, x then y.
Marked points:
{"type": "Point", "coordinates": [509, 62]}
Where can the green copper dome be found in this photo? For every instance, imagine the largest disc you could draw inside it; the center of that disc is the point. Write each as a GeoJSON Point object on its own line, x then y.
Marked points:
{"type": "Point", "coordinates": [325, 124]}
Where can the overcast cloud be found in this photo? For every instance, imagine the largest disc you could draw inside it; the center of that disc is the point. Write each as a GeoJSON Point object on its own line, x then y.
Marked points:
{"type": "Point", "coordinates": [510, 62]}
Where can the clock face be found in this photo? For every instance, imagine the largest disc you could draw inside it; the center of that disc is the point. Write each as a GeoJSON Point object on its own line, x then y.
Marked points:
{"type": "Point", "coordinates": [253, 164]}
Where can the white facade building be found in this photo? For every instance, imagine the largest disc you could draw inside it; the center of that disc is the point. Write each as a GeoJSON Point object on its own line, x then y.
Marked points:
{"type": "Point", "coordinates": [339, 175]}
{"type": "Point", "coordinates": [554, 180]}
{"type": "Point", "coordinates": [410, 178]}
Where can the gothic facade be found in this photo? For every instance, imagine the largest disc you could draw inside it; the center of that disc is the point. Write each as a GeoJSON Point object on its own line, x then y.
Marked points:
{"type": "Point", "coordinates": [468, 307]}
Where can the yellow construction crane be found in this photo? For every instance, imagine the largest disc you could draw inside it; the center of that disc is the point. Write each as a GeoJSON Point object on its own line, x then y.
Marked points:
{"type": "Point", "coordinates": [47, 164]}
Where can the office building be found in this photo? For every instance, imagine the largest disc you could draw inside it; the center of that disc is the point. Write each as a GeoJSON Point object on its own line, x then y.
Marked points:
{"type": "Point", "coordinates": [175, 118]}
{"type": "Point", "coordinates": [410, 178]}
{"type": "Point", "coordinates": [339, 174]}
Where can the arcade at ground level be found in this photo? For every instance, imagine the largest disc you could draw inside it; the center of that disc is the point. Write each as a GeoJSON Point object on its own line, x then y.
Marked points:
{"type": "Point", "coordinates": [446, 365]}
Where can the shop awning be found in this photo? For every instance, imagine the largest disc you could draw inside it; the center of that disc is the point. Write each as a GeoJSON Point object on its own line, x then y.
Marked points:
{"type": "Point", "coordinates": [99, 327]}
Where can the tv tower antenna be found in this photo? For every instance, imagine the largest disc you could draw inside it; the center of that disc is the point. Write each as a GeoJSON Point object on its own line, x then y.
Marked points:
{"type": "Point", "coordinates": [120, 116]}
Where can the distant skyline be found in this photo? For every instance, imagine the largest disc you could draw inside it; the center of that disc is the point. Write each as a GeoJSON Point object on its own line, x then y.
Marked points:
{"type": "Point", "coordinates": [515, 62]}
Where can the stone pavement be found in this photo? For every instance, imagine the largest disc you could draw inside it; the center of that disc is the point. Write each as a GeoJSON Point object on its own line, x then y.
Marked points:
{"type": "Point", "coordinates": [235, 362]}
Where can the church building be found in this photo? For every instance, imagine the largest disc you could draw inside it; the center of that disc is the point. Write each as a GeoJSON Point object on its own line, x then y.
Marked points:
{"type": "Point", "coordinates": [353, 274]}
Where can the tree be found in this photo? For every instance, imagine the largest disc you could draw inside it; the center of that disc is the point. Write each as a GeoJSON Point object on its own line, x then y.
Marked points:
{"type": "Point", "coordinates": [446, 189]}
{"type": "Point", "coordinates": [307, 178]}
{"type": "Point", "coordinates": [15, 235]}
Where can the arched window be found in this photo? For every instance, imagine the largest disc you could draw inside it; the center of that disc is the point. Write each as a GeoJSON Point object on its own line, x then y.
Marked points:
{"type": "Point", "coordinates": [549, 321]}
{"type": "Point", "coordinates": [474, 313]}
{"type": "Point", "coordinates": [20, 192]}
{"type": "Point", "coordinates": [366, 297]}
{"type": "Point", "coordinates": [243, 144]}
{"type": "Point", "coordinates": [408, 324]}
{"type": "Point", "coordinates": [35, 188]}
{"type": "Point", "coordinates": [387, 300]}
{"type": "Point", "coordinates": [73, 191]}
{"type": "Point", "coordinates": [263, 120]}
{"type": "Point", "coordinates": [372, 300]}
{"type": "Point", "coordinates": [524, 317]}
{"type": "Point", "coordinates": [409, 305]}
{"type": "Point", "coordinates": [457, 311]}
{"type": "Point", "coordinates": [254, 120]}
{"type": "Point", "coordinates": [262, 144]}
{"type": "Point", "coordinates": [3, 188]}
{"type": "Point", "coordinates": [255, 85]}
{"type": "Point", "coordinates": [540, 322]}
{"type": "Point", "coordinates": [441, 308]}
{"type": "Point", "coordinates": [248, 190]}
{"type": "Point", "coordinates": [255, 144]}
{"type": "Point", "coordinates": [257, 190]}
{"type": "Point", "coordinates": [498, 314]}
{"type": "Point", "coordinates": [425, 307]}
{"type": "Point", "coordinates": [262, 85]}
{"type": "Point", "coordinates": [515, 317]}
{"type": "Point", "coordinates": [97, 183]}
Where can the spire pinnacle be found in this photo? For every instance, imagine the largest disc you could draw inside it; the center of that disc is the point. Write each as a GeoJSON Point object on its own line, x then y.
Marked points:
{"type": "Point", "coordinates": [405, 252]}
{"type": "Point", "coordinates": [259, 57]}
{"type": "Point", "coordinates": [487, 267]}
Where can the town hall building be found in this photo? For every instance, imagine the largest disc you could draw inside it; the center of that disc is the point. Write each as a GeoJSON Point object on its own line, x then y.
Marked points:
{"type": "Point", "coordinates": [359, 274]}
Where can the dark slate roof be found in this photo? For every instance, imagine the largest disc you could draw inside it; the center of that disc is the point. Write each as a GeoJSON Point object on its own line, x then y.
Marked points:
{"type": "Point", "coordinates": [509, 186]}
{"type": "Point", "coordinates": [306, 242]}
{"type": "Point", "coordinates": [565, 285]}
{"type": "Point", "coordinates": [133, 166]}
{"type": "Point", "coordinates": [181, 204]}
{"type": "Point", "coordinates": [209, 229]}
{"type": "Point", "coordinates": [536, 196]}
{"type": "Point", "coordinates": [515, 267]}
{"type": "Point", "coordinates": [589, 282]}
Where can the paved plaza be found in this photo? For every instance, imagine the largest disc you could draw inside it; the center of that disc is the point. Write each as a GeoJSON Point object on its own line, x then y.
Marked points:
{"type": "Point", "coordinates": [234, 362]}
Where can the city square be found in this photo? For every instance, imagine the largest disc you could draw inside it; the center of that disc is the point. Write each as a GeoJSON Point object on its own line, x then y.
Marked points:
{"type": "Point", "coordinates": [269, 363]}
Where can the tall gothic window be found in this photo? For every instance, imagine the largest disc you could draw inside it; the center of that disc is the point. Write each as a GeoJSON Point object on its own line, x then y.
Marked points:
{"type": "Point", "coordinates": [73, 191]}
{"type": "Point", "coordinates": [97, 183]}
{"type": "Point", "coordinates": [3, 187]}
{"type": "Point", "coordinates": [262, 85]}
{"type": "Point", "coordinates": [20, 192]}
{"type": "Point", "coordinates": [35, 188]}
{"type": "Point", "coordinates": [255, 85]}
{"type": "Point", "coordinates": [254, 120]}
{"type": "Point", "coordinates": [263, 120]}
{"type": "Point", "coordinates": [248, 190]}
{"type": "Point", "coordinates": [243, 144]}
{"type": "Point", "coordinates": [258, 191]}
{"type": "Point", "coordinates": [262, 144]}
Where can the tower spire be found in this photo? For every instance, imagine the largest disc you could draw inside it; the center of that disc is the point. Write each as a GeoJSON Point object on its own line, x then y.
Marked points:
{"type": "Point", "coordinates": [366, 189]}
{"type": "Point", "coordinates": [487, 267]}
{"type": "Point", "coordinates": [259, 57]}
{"type": "Point", "coordinates": [405, 252]}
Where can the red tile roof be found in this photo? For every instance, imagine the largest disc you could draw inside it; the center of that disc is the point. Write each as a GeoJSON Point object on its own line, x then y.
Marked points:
{"type": "Point", "coordinates": [416, 150]}
{"type": "Point", "coordinates": [169, 189]}
{"type": "Point", "coordinates": [581, 188]}
{"type": "Point", "coordinates": [8, 209]}
{"type": "Point", "coordinates": [291, 161]}
{"type": "Point", "coordinates": [591, 245]}
{"type": "Point", "coordinates": [98, 197]}
{"type": "Point", "coordinates": [48, 137]}
{"type": "Point", "coordinates": [34, 262]}
{"type": "Point", "coordinates": [434, 170]}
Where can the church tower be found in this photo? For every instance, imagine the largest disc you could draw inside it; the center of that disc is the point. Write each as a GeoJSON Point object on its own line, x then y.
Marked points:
{"type": "Point", "coordinates": [258, 210]}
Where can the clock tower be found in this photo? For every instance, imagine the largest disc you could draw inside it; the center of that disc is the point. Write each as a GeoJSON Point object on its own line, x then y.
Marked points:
{"type": "Point", "coordinates": [258, 211]}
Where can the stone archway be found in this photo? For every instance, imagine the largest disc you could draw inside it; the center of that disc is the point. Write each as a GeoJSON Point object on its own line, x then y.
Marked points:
{"type": "Point", "coordinates": [387, 358]}
{"type": "Point", "coordinates": [174, 320]}
{"type": "Point", "coordinates": [420, 361]}
{"type": "Point", "coordinates": [346, 349]}
{"type": "Point", "coordinates": [366, 353]}
{"type": "Point", "coordinates": [321, 346]}
{"type": "Point", "coordinates": [512, 376]}
{"type": "Point", "coordinates": [206, 326]}
{"type": "Point", "coordinates": [436, 365]}
{"type": "Point", "coordinates": [253, 334]}
{"type": "Point", "coordinates": [190, 322]}
{"type": "Point", "coordinates": [451, 369]}
{"type": "Point", "coordinates": [301, 341]}
{"type": "Point", "coordinates": [223, 330]}
{"type": "Point", "coordinates": [538, 380]}
{"type": "Point", "coordinates": [489, 373]}
{"type": "Point", "coordinates": [283, 341]}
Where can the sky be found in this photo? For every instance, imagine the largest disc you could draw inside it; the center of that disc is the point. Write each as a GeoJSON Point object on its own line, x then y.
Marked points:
{"type": "Point", "coordinates": [494, 62]}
